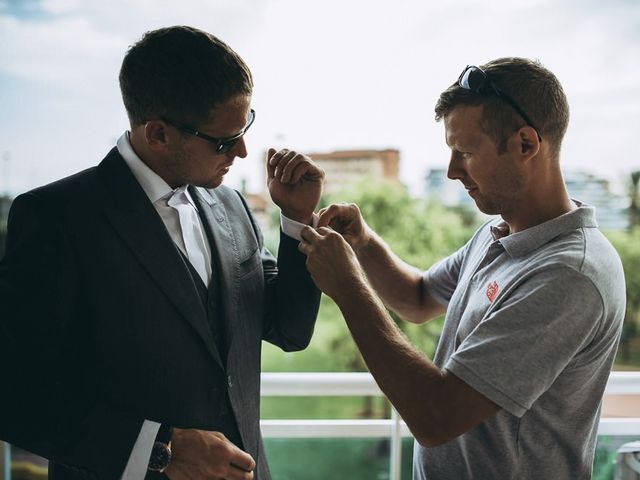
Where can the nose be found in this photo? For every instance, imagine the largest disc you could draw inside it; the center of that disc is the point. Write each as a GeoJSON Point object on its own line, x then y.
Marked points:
{"type": "Point", "coordinates": [239, 149]}
{"type": "Point", "coordinates": [455, 170]}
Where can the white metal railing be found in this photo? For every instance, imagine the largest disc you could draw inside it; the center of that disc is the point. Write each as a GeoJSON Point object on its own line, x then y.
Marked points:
{"type": "Point", "coordinates": [363, 384]}
{"type": "Point", "coordinates": [310, 384]}
{"type": "Point", "coordinates": [623, 383]}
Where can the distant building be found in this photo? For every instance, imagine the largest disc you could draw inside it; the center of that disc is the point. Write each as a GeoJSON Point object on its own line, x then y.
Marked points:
{"type": "Point", "coordinates": [259, 203]}
{"type": "Point", "coordinates": [347, 167]}
{"type": "Point", "coordinates": [343, 169]}
{"type": "Point", "coordinates": [611, 208]}
{"type": "Point", "coordinates": [446, 191]}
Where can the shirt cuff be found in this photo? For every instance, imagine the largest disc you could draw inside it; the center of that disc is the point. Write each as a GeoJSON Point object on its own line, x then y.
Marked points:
{"type": "Point", "coordinates": [292, 229]}
{"type": "Point", "coordinates": [138, 463]}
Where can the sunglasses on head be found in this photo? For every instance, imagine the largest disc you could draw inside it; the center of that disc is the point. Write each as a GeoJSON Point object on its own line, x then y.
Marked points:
{"type": "Point", "coordinates": [475, 79]}
{"type": "Point", "coordinates": [222, 145]}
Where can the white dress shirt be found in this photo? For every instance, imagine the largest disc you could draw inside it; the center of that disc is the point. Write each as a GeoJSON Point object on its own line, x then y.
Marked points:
{"type": "Point", "coordinates": [160, 193]}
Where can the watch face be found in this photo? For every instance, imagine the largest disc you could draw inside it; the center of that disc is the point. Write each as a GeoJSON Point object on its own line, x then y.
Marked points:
{"type": "Point", "coordinates": [160, 457]}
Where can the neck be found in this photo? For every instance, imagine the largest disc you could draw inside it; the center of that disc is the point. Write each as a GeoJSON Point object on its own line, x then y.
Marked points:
{"type": "Point", "coordinates": [542, 201]}
{"type": "Point", "coordinates": [136, 138]}
{"type": "Point", "coordinates": [148, 157]}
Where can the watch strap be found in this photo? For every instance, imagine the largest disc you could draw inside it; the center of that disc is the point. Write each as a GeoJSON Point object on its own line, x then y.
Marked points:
{"type": "Point", "coordinates": [161, 451]}
{"type": "Point", "coordinates": [164, 434]}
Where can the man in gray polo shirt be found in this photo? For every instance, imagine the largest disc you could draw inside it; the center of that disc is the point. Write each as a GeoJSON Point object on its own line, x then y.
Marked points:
{"type": "Point", "coordinates": [534, 301]}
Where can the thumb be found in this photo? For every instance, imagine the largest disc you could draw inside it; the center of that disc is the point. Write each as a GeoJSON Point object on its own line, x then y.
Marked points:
{"type": "Point", "coordinates": [326, 215]}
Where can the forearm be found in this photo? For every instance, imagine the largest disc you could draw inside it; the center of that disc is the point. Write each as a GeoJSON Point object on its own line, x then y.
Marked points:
{"type": "Point", "coordinates": [413, 384]}
{"type": "Point", "coordinates": [293, 299]}
{"type": "Point", "coordinates": [397, 283]}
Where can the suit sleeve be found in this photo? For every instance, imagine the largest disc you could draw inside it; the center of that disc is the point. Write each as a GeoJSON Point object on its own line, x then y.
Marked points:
{"type": "Point", "coordinates": [45, 333]}
{"type": "Point", "coordinates": [292, 299]}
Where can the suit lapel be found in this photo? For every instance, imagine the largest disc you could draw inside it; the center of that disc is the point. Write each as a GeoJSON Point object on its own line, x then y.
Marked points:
{"type": "Point", "coordinates": [224, 252]}
{"type": "Point", "coordinates": [138, 224]}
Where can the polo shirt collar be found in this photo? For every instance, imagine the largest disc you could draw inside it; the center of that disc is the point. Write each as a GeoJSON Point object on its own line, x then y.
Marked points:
{"type": "Point", "coordinates": [526, 241]}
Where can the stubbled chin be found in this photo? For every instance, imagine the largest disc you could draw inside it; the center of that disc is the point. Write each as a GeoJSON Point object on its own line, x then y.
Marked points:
{"type": "Point", "coordinates": [212, 183]}
{"type": "Point", "coordinates": [487, 209]}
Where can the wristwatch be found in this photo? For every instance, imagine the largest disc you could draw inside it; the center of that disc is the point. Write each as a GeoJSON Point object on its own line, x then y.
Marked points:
{"type": "Point", "coordinates": [161, 451]}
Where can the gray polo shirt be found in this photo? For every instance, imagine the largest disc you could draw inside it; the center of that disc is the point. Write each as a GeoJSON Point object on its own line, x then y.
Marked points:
{"type": "Point", "coordinates": [533, 322]}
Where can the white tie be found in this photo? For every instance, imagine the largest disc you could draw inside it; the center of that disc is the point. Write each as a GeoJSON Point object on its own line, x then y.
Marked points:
{"type": "Point", "coordinates": [192, 235]}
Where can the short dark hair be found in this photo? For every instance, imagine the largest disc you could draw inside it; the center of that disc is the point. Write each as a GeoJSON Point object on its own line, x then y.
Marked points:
{"type": "Point", "coordinates": [533, 87]}
{"type": "Point", "coordinates": [180, 73]}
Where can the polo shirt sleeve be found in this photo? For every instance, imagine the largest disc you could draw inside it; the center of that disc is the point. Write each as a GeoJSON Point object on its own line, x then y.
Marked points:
{"type": "Point", "coordinates": [441, 280]}
{"type": "Point", "coordinates": [516, 353]}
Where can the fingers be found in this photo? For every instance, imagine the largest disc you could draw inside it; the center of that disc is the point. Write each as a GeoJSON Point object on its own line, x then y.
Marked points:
{"type": "Point", "coordinates": [206, 454]}
{"type": "Point", "coordinates": [309, 236]}
{"type": "Point", "coordinates": [329, 213]}
{"type": "Point", "coordinates": [235, 457]}
{"type": "Point", "coordinates": [343, 211]}
{"type": "Point", "coordinates": [236, 472]}
{"type": "Point", "coordinates": [273, 160]}
{"type": "Point", "coordinates": [289, 167]}
{"type": "Point", "coordinates": [289, 163]}
{"type": "Point", "coordinates": [242, 462]}
{"type": "Point", "coordinates": [270, 168]}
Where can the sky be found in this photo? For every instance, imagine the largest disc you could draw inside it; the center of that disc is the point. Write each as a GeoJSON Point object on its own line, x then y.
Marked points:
{"type": "Point", "coordinates": [329, 75]}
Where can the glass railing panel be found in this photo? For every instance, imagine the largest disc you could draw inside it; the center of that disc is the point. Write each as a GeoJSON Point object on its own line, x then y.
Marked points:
{"type": "Point", "coordinates": [356, 458]}
{"type": "Point", "coordinates": [368, 458]}
{"type": "Point", "coordinates": [323, 458]}
{"type": "Point", "coordinates": [604, 462]}
{"type": "Point", "coordinates": [323, 407]}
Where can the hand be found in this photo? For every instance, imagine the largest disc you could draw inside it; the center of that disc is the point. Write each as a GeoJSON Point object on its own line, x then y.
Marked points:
{"type": "Point", "coordinates": [347, 220]}
{"type": "Point", "coordinates": [295, 183]}
{"type": "Point", "coordinates": [331, 262]}
{"type": "Point", "coordinates": [203, 454]}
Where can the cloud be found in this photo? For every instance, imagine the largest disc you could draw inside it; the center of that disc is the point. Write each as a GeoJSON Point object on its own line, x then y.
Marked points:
{"type": "Point", "coordinates": [329, 74]}
{"type": "Point", "coordinates": [66, 51]}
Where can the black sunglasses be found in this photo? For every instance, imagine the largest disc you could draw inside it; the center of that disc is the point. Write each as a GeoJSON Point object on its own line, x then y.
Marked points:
{"type": "Point", "coordinates": [475, 79]}
{"type": "Point", "coordinates": [223, 145]}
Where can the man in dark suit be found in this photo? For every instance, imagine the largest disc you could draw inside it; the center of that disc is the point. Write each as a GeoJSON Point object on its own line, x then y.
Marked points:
{"type": "Point", "coordinates": [135, 294]}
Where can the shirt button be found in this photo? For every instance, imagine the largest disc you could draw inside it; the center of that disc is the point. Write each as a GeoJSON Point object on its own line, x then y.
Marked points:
{"type": "Point", "coordinates": [230, 381]}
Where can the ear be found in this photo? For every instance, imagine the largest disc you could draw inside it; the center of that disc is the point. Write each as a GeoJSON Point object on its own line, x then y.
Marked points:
{"type": "Point", "coordinates": [158, 136]}
{"type": "Point", "coordinates": [528, 142]}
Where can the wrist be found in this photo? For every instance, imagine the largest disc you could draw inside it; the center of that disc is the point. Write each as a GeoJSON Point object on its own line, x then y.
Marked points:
{"type": "Point", "coordinates": [306, 219]}
{"type": "Point", "coordinates": [365, 243]}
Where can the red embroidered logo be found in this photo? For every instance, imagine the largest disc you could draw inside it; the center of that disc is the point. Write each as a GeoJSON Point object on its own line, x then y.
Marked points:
{"type": "Point", "coordinates": [492, 291]}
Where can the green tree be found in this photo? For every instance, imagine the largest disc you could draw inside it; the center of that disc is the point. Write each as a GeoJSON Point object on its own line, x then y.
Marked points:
{"type": "Point", "coordinates": [627, 243]}
{"type": "Point", "coordinates": [419, 232]}
{"type": "Point", "coordinates": [634, 199]}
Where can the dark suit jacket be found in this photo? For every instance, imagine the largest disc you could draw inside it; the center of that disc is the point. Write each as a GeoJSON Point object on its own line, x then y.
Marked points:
{"type": "Point", "coordinates": [102, 328]}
